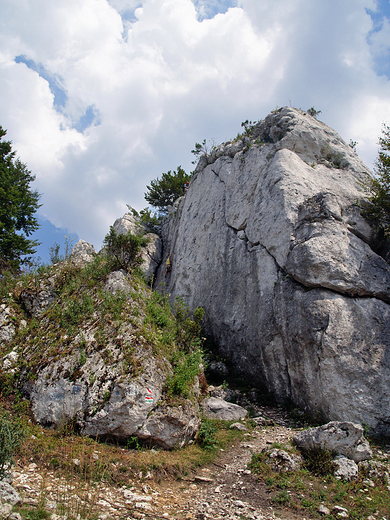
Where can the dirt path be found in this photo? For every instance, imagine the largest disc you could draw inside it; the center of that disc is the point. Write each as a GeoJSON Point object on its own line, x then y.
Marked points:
{"type": "Point", "coordinates": [225, 489]}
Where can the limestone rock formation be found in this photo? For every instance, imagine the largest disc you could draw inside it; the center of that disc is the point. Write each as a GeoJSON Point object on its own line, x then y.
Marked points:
{"type": "Point", "coordinates": [7, 328]}
{"type": "Point", "coordinates": [269, 239]}
{"type": "Point", "coordinates": [83, 252]}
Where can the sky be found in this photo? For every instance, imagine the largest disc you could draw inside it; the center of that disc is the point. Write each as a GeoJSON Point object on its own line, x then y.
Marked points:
{"type": "Point", "coordinates": [99, 97]}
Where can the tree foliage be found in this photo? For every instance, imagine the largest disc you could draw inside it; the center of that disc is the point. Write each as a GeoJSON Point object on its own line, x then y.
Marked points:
{"type": "Point", "coordinates": [378, 188]}
{"type": "Point", "coordinates": [18, 204]}
{"type": "Point", "coordinates": [124, 250]}
{"type": "Point", "coordinates": [163, 192]}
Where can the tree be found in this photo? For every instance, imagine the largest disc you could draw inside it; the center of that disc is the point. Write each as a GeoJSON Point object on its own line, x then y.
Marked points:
{"type": "Point", "coordinates": [378, 188]}
{"type": "Point", "coordinates": [18, 204]}
{"type": "Point", "coordinates": [163, 192]}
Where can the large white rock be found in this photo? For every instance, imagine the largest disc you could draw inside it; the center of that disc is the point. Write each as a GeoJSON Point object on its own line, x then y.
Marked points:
{"type": "Point", "coordinates": [345, 438]}
{"type": "Point", "coordinates": [83, 252]}
{"type": "Point", "coordinates": [216, 408]}
{"type": "Point", "coordinates": [270, 241]}
{"type": "Point", "coordinates": [172, 427]}
{"type": "Point", "coordinates": [89, 389]}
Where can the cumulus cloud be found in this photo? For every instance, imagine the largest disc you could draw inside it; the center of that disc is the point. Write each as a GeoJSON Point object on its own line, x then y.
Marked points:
{"type": "Point", "coordinates": [141, 81]}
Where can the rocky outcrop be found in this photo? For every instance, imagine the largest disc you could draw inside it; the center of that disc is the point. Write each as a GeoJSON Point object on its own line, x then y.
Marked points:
{"type": "Point", "coordinates": [7, 327]}
{"type": "Point", "coordinates": [36, 300]}
{"type": "Point", "coordinates": [269, 239]}
{"type": "Point", "coordinates": [83, 252]}
{"type": "Point", "coordinates": [110, 386]}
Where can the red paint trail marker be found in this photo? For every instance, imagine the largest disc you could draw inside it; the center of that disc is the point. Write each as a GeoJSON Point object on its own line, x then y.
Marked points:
{"type": "Point", "coordinates": [149, 395]}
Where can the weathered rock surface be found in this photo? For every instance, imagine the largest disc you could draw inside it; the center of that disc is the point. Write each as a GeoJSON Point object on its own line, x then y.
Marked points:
{"type": "Point", "coordinates": [83, 252]}
{"type": "Point", "coordinates": [8, 494]}
{"type": "Point", "coordinates": [345, 438]}
{"type": "Point", "coordinates": [216, 408]}
{"type": "Point", "coordinates": [281, 461]}
{"type": "Point", "coordinates": [7, 328]}
{"type": "Point", "coordinates": [346, 469]}
{"type": "Point", "coordinates": [105, 403]}
{"type": "Point", "coordinates": [374, 470]}
{"type": "Point", "coordinates": [117, 282]}
{"type": "Point", "coordinates": [109, 383]}
{"type": "Point", "coordinates": [36, 301]}
{"type": "Point", "coordinates": [172, 427]}
{"type": "Point", "coordinates": [270, 241]}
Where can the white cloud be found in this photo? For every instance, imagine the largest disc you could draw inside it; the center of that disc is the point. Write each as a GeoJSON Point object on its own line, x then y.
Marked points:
{"type": "Point", "coordinates": [159, 78]}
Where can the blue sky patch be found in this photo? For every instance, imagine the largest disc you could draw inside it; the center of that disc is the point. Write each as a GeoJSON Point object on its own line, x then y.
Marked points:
{"type": "Point", "coordinates": [49, 235]}
{"type": "Point", "coordinates": [381, 54]}
{"type": "Point", "coordinates": [55, 82]}
{"type": "Point", "coordinates": [129, 15]}
{"type": "Point", "coordinates": [207, 9]}
{"type": "Point", "coordinates": [91, 117]}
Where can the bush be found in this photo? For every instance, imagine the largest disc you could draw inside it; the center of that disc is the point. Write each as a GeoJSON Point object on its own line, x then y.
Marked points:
{"type": "Point", "coordinates": [10, 438]}
{"type": "Point", "coordinates": [185, 368]}
{"type": "Point", "coordinates": [124, 250]}
{"type": "Point", "coordinates": [313, 112]}
{"type": "Point", "coordinates": [206, 435]}
{"type": "Point", "coordinates": [319, 461]}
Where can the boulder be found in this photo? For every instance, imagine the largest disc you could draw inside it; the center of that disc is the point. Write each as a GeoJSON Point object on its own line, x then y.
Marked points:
{"type": "Point", "coordinates": [90, 389]}
{"type": "Point", "coordinates": [8, 494]}
{"type": "Point", "coordinates": [346, 469]}
{"type": "Point", "coordinates": [216, 408]}
{"type": "Point", "coordinates": [172, 427]}
{"type": "Point", "coordinates": [345, 438]}
{"type": "Point", "coordinates": [238, 426]}
{"type": "Point", "coordinates": [270, 241]}
{"type": "Point", "coordinates": [282, 461]}
{"type": "Point", "coordinates": [83, 252]}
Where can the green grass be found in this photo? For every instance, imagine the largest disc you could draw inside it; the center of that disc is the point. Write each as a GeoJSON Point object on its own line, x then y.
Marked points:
{"type": "Point", "coordinates": [305, 490]}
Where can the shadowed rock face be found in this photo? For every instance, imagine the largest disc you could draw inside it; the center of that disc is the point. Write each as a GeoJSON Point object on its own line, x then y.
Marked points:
{"type": "Point", "coordinates": [270, 241]}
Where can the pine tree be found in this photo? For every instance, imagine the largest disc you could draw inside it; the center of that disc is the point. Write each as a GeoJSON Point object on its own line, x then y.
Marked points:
{"type": "Point", "coordinates": [163, 192]}
{"type": "Point", "coordinates": [18, 204]}
{"type": "Point", "coordinates": [378, 189]}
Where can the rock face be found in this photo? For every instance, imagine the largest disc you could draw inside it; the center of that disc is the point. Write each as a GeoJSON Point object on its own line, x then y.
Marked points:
{"type": "Point", "coordinates": [270, 241]}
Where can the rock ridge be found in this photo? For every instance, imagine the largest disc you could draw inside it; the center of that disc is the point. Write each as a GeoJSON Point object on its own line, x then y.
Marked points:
{"type": "Point", "coordinates": [270, 240]}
